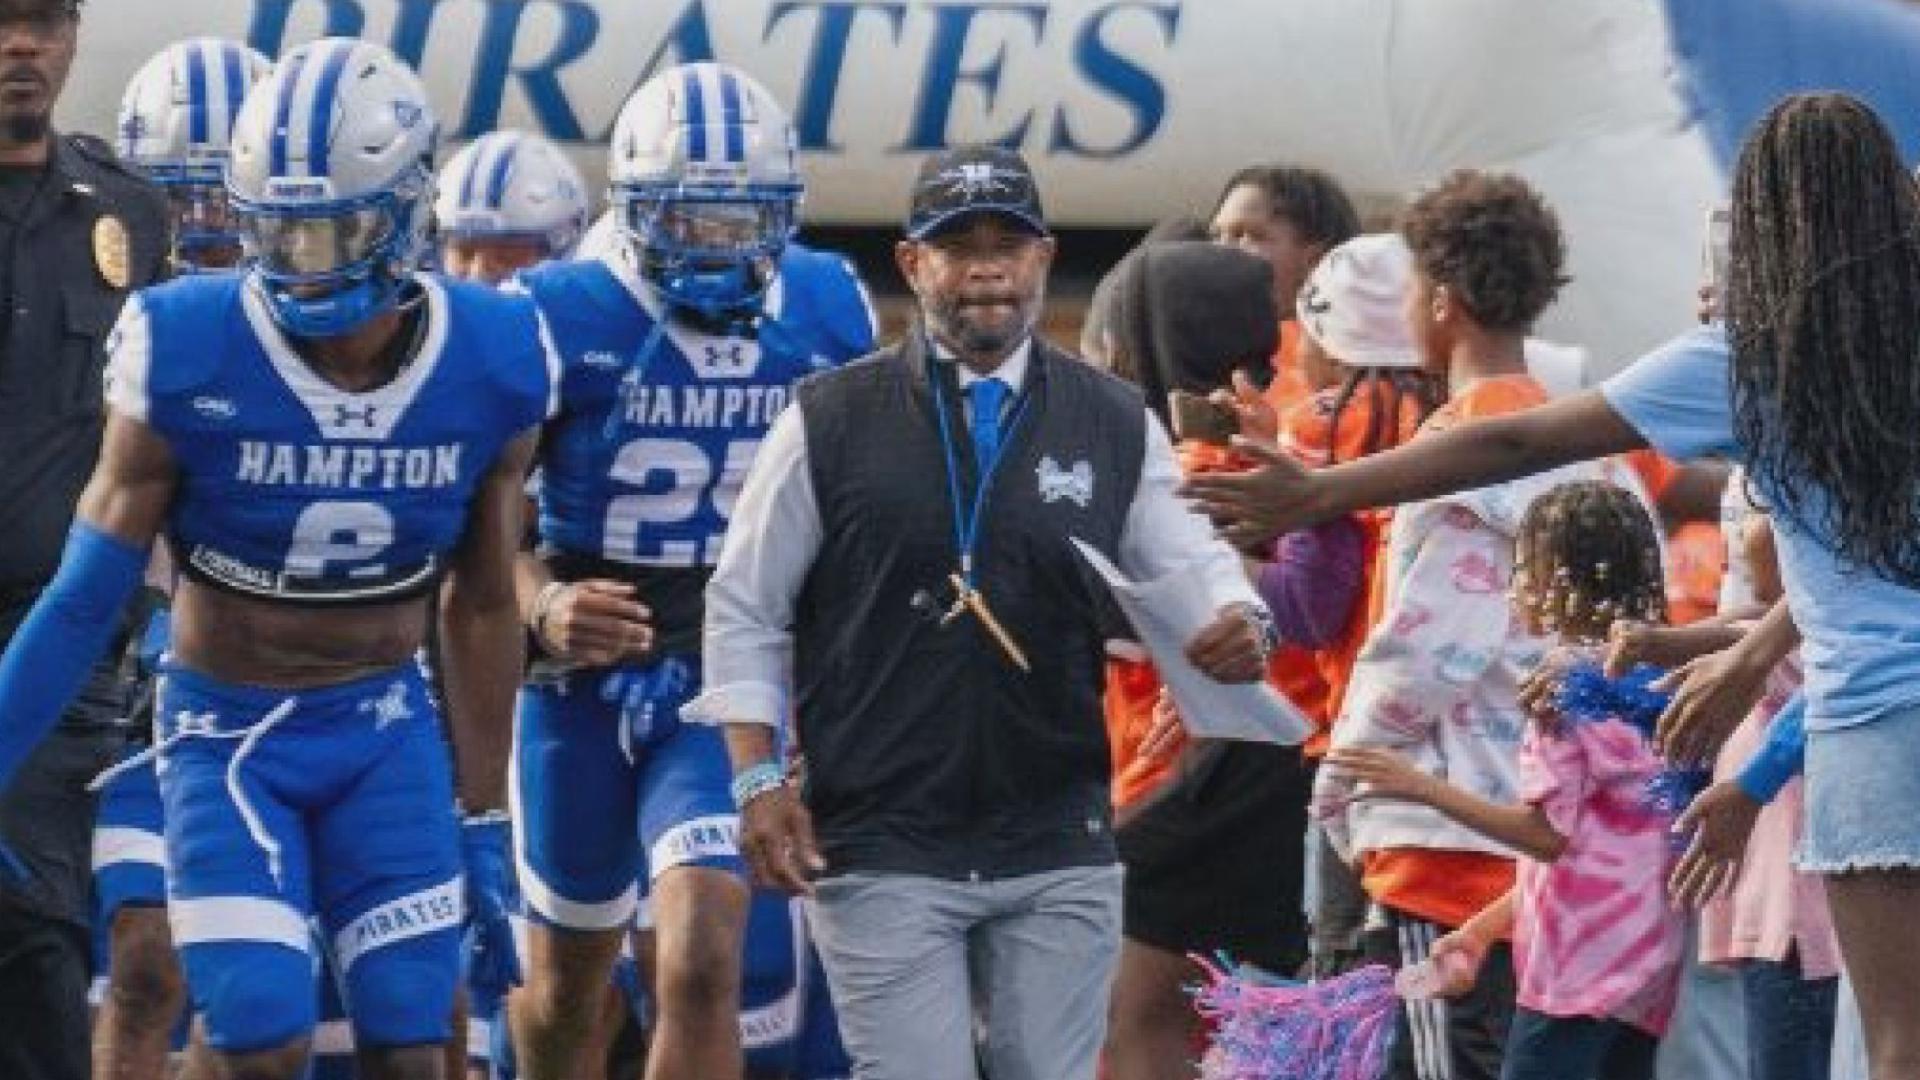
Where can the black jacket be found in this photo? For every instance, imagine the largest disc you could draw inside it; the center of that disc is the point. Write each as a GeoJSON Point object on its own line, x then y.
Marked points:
{"type": "Point", "coordinates": [927, 751]}
{"type": "Point", "coordinates": [53, 353]}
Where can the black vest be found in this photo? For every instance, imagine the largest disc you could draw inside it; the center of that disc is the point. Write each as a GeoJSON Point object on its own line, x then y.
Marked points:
{"type": "Point", "coordinates": [928, 751]}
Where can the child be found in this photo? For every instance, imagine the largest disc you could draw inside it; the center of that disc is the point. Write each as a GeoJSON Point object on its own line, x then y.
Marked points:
{"type": "Point", "coordinates": [1439, 675]}
{"type": "Point", "coordinates": [1596, 946]}
{"type": "Point", "coordinates": [1355, 342]}
{"type": "Point", "coordinates": [1765, 919]}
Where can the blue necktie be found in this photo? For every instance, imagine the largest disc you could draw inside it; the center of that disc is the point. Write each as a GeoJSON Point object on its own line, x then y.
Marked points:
{"type": "Point", "coordinates": [987, 396]}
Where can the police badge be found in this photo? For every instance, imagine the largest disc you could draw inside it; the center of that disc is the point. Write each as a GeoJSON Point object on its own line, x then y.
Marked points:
{"type": "Point", "coordinates": [112, 251]}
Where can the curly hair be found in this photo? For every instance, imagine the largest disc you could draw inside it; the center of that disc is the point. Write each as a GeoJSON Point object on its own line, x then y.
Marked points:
{"type": "Point", "coordinates": [1493, 242]}
{"type": "Point", "coordinates": [1588, 553]}
{"type": "Point", "coordinates": [1823, 320]}
{"type": "Point", "coordinates": [1312, 201]}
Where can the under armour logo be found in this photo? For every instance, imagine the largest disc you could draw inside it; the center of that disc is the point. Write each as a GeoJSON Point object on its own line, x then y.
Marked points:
{"type": "Point", "coordinates": [733, 354]}
{"type": "Point", "coordinates": [133, 127]}
{"type": "Point", "coordinates": [343, 413]}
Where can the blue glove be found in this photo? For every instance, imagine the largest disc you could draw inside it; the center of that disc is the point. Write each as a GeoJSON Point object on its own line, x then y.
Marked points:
{"type": "Point", "coordinates": [638, 694]}
{"type": "Point", "coordinates": [492, 963]}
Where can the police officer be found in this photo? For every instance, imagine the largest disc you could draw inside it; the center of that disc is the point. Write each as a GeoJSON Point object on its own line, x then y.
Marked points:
{"type": "Point", "coordinates": [77, 231]}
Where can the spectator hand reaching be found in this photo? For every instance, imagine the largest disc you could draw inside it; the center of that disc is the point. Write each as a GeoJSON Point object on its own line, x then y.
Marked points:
{"type": "Point", "coordinates": [1720, 819]}
{"type": "Point", "coordinates": [1253, 508]}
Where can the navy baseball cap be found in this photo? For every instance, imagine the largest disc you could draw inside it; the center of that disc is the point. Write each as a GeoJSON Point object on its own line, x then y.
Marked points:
{"type": "Point", "coordinates": [956, 184]}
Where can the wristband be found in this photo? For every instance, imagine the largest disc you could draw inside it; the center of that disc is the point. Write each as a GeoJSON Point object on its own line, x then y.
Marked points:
{"type": "Point", "coordinates": [756, 780]}
{"type": "Point", "coordinates": [543, 607]}
{"type": "Point", "coordinates": [1261, 620]}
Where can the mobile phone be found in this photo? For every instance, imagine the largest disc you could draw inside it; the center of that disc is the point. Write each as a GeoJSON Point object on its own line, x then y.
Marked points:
{"type": "Point", "coordinates": [1715, 257]}
{"type": "Point", "coordinates": [1200, 420]}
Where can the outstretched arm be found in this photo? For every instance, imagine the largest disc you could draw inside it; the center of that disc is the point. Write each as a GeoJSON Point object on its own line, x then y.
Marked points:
{"type": "Point", "coordinates": [74, 620]}
{"type": "Point", "coordinates": [1523, 826]}
{"type": "Point", "coordinates": [1281, 496]}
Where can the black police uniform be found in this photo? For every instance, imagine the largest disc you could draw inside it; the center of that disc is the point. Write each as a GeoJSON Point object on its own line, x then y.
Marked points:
{"type": "Point", "coordinates": [65, 270]}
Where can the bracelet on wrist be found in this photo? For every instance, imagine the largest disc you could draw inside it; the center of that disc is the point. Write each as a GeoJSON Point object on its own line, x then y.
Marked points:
{"type": "Point", "coordinates": [1258, 617]}
{"type": "Point", "coordinates": [543, 607]}
{"type": "Point", "coordinates": [756, 780]}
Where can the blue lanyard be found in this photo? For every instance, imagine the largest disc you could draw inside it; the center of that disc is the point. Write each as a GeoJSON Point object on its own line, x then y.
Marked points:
{"type": "Point", "coordinates": [966, 527]}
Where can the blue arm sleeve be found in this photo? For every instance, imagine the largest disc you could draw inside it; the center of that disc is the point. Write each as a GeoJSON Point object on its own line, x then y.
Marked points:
{"type": "Point", "coordinates": [1781, 758]}
{"type": "Point", "coordinates": [68, 629]}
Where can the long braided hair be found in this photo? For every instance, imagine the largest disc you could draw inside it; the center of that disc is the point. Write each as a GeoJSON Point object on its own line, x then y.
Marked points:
{"type": "Point", "coordinates": [1390, 391]}
{"type": "Point", "coordinates": [1823, 316]}
{"type": "Point", "coordinates": [1587, 553]}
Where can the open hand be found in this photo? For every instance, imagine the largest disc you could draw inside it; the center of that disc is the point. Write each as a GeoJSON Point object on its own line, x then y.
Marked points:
{"type": "Point", "coordinates": [1711, 695]}
{"type": "Point", "coordinates": [1721, 819]}
{"type": "Point", "coordinates": [1253, 507]}
{"type": "Point", "coordinates": [1382, 774]}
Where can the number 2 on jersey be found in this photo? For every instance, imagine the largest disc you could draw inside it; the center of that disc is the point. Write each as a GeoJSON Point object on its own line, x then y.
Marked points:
{"type": "Point", "coordinates": [681, 515]}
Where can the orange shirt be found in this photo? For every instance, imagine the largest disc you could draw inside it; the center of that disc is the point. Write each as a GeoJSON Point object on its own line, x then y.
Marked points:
{"type": "Point", "coordinates": [1448, 887]}
{"type": "Point", "coordinates": [1289, 386]}
{"type": "Point", "coordinates": [1696, 561]}
{"type": "Point", "coordinates": [1696, 552]}
{"type": "Point", "coordinates": [1443, 887]}
{"type": "Point", "coordinates": [1307, 432]}
{"type": "Point", "coordinates": [1132, 689]}
{"type": "Point", "coordinates": [1133, 686]}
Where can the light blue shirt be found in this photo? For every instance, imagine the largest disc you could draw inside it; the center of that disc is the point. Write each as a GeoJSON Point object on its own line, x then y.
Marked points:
{"type": "Point", "coordinates": [1861, 631]}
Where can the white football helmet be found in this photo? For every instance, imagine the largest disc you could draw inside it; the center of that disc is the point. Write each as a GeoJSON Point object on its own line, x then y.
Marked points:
{"type": "Point", "coordinates": [176, 127]}
{"type": "Point", "coordinates": [330, 178]}
{"type": "Point", "coordinates": [512, 185]}
{"type": "Point", "coordinates": [703, 181]}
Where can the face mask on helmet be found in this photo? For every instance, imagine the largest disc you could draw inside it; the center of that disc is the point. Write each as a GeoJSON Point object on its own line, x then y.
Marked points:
{"type": "Point", "coordinates": [329, 180]}
{"type": "Point", "coordinates": [328, 269]}
{"type": "Point", "coordinates": [714, 255]}
{"type": "Point", "coordinates": [206, 234]}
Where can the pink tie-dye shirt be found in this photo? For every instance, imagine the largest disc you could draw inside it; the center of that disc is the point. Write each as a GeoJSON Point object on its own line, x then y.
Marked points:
{"type": "Point", "coordinates": [1594, 934]}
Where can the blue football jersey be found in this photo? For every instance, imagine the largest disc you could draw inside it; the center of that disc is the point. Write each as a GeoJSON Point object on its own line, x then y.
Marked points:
{"type": "Point", "coordinates": [643, 471]}
{"type": "Point", "coordinates": [292, 488]}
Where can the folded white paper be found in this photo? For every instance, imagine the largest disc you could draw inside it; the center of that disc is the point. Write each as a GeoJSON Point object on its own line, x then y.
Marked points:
{"type": "Point", "coordinates": [1167, 613]}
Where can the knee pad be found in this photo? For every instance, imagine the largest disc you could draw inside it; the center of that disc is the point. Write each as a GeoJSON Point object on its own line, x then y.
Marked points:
{"type": "Point", "coordinates": [402, 994]}
{"type": "Point", "coordinates": [252, 996]}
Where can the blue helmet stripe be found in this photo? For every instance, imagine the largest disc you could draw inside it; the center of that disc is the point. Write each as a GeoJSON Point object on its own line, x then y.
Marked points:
{"type": "Point", "coordinates": [471, 180]}
{"type": "Point", "coordinates": [319, 129]}
{"type": "Point", "coordinates": [283, 114]}
{"type": "Point", "coordinates": [696, 116]}
{"type": "Point", "coordinates": [236, 72]}
{"type": "Point", "coordinates": [730, 116]}
{"type": "Point", "coordinates": [199, 125]}
{"type": "Point", "coordinates": [502, 167]}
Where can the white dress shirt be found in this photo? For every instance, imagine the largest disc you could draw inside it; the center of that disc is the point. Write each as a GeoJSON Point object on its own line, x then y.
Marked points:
{"type": "Point", "coordinates": [775, 534]}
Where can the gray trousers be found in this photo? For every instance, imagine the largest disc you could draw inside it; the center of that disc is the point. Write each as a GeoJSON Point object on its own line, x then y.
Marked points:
{"type": "Point", "coordinates": [915, 961]}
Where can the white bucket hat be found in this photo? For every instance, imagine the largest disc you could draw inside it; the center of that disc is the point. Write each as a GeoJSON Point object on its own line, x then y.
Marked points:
{"type": "Point", "coordinates": [1354, 303]}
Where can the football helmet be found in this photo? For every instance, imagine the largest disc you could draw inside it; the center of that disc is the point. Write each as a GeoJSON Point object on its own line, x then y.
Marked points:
{"type": "Point", "coordinates": [176, 126]}
{"type": "Point", "coordinates": [704, 186]}
{"type": "Point", "coordinates": [330, 178]}
{"type": "Point", "coordinates": [512, 185]}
